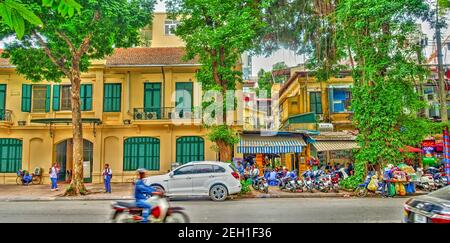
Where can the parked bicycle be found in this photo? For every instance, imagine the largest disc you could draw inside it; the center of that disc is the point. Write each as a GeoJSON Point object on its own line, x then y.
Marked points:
{"type": "Point", "coordinates": [25, 178]}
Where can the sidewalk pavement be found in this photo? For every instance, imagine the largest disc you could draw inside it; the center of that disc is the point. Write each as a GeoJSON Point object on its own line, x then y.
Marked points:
{"type": "Point", "coordinates": [124, 191]}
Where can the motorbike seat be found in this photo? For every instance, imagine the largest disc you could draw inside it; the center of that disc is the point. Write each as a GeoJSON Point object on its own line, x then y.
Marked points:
{"type": "Point", "coordinates": [127, 204]}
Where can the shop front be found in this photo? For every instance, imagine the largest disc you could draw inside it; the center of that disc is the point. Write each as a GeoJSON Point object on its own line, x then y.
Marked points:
{"type": "Point", "coordinates": [280, 150]}
{"type": "Point", "coordinates": [335, 149]}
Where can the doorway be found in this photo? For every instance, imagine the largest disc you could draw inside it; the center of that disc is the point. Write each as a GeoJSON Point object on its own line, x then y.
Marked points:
{"type": "Point", "coordinates": [64, 157]}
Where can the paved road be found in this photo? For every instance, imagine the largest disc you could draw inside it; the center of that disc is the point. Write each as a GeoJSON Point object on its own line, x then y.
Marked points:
{"type": "Point", "coordinates": [277, 210]}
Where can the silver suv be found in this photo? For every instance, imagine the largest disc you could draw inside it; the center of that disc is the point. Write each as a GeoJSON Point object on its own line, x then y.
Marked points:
{"type": "Point", "coordinates": [204, 178]}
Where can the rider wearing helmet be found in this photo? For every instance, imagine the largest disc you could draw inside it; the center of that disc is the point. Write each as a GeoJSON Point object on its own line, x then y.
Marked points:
{"type": "Point", "coordinates": [141, 192]}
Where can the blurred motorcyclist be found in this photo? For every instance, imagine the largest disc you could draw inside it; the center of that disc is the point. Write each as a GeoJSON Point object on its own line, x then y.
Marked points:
{"type": "Point", "coordinates": [141, 193]}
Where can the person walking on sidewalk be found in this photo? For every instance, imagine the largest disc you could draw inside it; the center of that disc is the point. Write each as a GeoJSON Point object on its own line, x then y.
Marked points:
{"type": "Point", "coordinates": [107, 175]}
{"type": "Point", "coordinates": [54, 171]}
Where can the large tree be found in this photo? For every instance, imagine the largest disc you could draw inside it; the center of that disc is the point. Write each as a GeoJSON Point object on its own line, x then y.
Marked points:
{"type": "Point", "coordinates": [62, 48]}
{"type": "Point", "coordinates": [378, 38]}
{"type": "Point", "coordinates": [218, 32]}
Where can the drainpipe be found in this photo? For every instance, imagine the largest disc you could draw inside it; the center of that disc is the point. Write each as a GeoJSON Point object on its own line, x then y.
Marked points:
{"type": "Point", "coordinates": [127, 101]}
{"type": "Point", "coordinates": [163, 89]}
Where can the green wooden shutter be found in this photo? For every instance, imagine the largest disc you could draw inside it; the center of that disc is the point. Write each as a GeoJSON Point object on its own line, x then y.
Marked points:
{"type": "Point", "coordinates": [10, 155]}
{"type": "Point", "coordinates": [48, 98]}
{"type": "Point", "coordinates": [56, 97]}
{"type": "Point", "coordinates": [112, 97]}
{"type": "Point", "coordinates": [26, 97]}
{"type": "Point", "coordinates": [2, 101]}
{"type": "Point", "coordinates": [152, 98]}
{"type": "Point", "coordinates": [184, 96]}
{"type": "Point", "coordinates": [86, 97]}
{"type": "Point", "coordinates": [141, 152]}
{"type": "Point", "coordinates": [190, 149]}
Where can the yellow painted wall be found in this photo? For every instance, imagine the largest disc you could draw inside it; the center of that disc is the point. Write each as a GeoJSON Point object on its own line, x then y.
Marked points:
{"type": "Point", "coordinates": [159, 38]}
{"type": "Point", "coordinates": [39, 148]}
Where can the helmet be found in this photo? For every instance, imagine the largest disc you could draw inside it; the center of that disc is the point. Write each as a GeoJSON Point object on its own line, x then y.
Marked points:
{"type": "Point", "coordinates": [140, 171]}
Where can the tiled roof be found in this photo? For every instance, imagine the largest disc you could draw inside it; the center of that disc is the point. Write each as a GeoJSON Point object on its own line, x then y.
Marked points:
{"type": "Point", "coordinates": [139, 57]}
{"type": "Point", "coordinates": [148, 57]}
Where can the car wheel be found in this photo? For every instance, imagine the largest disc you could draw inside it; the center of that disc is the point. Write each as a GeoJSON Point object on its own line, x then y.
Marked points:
{"type": "Point", "coordinates": [218, 193]}
{"type": "Point", "coordinates": [158, 188]}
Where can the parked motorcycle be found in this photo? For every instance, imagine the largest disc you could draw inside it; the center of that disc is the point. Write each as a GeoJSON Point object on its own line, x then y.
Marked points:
{"type": "Point", "coordinates": [287, 183]}
{"type": "Point", "coordinates": [261, 184]}
{"type": "Point", "coordinates": [161, 212]}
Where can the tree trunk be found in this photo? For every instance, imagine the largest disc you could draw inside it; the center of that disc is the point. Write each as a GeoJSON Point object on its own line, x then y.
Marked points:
{"type": "Point", "coordinates": [77, 185]}
{"type": "Point", "coordinates": [224, 150]}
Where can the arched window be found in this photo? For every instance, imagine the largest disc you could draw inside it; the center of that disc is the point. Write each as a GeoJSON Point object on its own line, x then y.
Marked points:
{"type": "Point", "coordinates": [190, 149]}
{"type": "Point", "coordinates": [141, 152]}
{"type": "Point", "coordinates": [10, 155]}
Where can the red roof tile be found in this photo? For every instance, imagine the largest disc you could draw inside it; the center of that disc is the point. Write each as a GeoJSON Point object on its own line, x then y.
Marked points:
{"type": "Point", "coordinates": [138, 57]}
{"type": "Point", "coordinates": [148, 56]}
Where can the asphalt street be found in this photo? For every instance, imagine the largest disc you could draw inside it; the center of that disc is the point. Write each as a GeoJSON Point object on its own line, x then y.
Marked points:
{"type": "Point", "coordinates": [276, 210]}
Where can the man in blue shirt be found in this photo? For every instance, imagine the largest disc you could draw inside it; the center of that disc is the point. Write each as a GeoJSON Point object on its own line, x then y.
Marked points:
{"type": "Point", "coordinates": [141, 193]}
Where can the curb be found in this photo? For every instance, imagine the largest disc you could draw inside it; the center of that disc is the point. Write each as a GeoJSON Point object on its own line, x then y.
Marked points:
{"type": "Point", "coordinates": [234, 197]}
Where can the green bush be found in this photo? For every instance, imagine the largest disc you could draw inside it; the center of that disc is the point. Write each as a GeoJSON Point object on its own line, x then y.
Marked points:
{"type": "Point", "coordinates": [245, 186]}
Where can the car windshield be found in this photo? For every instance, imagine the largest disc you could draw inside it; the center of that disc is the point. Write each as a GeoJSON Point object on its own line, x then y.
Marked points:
{"type": "Point", "coordinates": [444, 193]}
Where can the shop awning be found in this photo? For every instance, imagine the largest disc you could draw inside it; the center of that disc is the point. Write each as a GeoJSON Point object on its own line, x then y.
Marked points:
{"type": "Point", "coordinates": [322, 146]}
{"type": "Point", "coordinates": [255, 144]}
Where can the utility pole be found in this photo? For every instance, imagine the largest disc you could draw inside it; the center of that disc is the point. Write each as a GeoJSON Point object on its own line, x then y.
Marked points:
{"type": "Point", "coordinates": [442, 84]}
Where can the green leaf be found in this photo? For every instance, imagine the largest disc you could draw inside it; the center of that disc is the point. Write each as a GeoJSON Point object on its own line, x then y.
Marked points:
{"type": "Point", "coordinates": [24, 12]}
{"type": "Point", "coordinates": [18, 24]}
{"type": "Point", "coordinates": [5, 12]}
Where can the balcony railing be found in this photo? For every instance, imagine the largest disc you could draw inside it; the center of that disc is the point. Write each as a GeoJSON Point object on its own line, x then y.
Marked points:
{"type": "Point", "coordinates": [164, 113]}
{"type": "Point", "coordinates": [5, 115]}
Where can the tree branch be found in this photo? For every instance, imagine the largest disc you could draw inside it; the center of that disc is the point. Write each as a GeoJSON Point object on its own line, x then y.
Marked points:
{"type": "Point", "coordinates": [60, 63]}
{"type": "Point", "coordinates": [67, 40]}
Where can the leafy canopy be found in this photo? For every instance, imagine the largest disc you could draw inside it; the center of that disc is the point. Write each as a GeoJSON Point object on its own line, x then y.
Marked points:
{"type": "Point", "coordinates": [14, 13]}
{"type": "Point", "coordinates": [105, 24]}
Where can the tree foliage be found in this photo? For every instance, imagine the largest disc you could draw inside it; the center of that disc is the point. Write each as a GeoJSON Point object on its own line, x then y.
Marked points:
{"type": "Point", "coordinates": [63, 46]}
{"type": "Point", "coordinates": [385, 103]}
{"type": "Point", "coordinates": [14, 13]}
{"type": "Point", "coordinates": [217, 33]}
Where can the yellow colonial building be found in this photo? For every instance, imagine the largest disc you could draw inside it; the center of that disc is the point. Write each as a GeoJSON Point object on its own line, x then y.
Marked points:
{"type": "Point", "coordinates": [139, 111]}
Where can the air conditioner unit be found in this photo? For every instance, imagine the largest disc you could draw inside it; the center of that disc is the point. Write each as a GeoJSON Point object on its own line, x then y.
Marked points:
{"type": "Point", "coordinates": [187, 115]}
{"type": "Point", "coordinates": [151, 116]}
{"type": "Point", "coordinates": [139, 116]}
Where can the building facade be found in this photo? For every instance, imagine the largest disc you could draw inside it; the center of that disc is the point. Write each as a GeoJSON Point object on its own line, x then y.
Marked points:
{"type": "Point", "coordinates": [138, 110]}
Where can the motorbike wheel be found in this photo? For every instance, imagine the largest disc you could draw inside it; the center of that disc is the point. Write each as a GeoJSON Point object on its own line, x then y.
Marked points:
{"type": "Point", "coordinates": [19, 180]}
{"type": "Point", "coordinates": [122, 218]}
{"type": "Point", "coordinates": [361, 192]}
{"type": "Point", "coordinates": [177, 217]}
{"type": "Point", "coordinates": [36, 180]}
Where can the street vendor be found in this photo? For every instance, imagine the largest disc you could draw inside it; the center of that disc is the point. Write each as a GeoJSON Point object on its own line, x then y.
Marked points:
{"type": "Point", "coordinates": [387, 175]}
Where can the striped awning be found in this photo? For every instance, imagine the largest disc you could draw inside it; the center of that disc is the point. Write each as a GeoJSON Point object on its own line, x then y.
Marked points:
{"type": "Point", "coordinates": [322, 146]}
{"type": "Point", "coordinates": [251, 144]}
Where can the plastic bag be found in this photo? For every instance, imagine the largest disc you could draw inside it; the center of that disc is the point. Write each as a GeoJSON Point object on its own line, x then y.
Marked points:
{"type": "Point", "coordinates": [392, 190]}
{"type": "Point", "coordinates": [373, 184]}
{"type": "Point", "coordinates": [402, 190]}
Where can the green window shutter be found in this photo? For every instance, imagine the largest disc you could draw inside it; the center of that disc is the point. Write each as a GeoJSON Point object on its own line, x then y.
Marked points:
{"type": "Point", "coordinates": [190, 149]}
{"type": "Point", "coordinates": [141, 152]}
{"type": "Point", "coordinates": [112, 97]}
{"type": "Point", "coordinates": [48, 98]}
{"type": "Point", "coordinates": [2, 101]}
{"type": "Point", "coordinates": [184, 96]}
{"type": "Point", "coordinates": [152, 98]}
{"type": "Point", "coordinates": [56, 97]}
{"type": "Point", "coordinates": [10, 155]}
{"type": "Point", "coordinates": [26, 97]}
{"type": "Point", "coordinates": [86, 97]}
